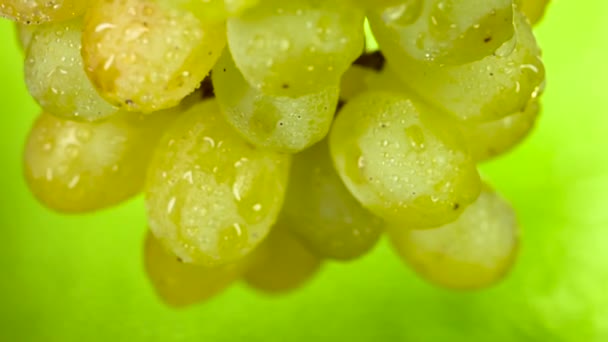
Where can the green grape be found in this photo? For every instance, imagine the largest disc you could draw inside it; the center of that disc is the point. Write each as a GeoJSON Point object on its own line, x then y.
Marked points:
{"type": "Point", "coordinates": [296, 47]}
{"type": "Point", "coordinates": [376, 4]}
{"type": "Point", "coordinates": [475, 251]}
{"type": "Point", "coordinates": [211, 196]}
{"type": "Point", "coordinates": [42, 11]}
{"type": "Point", "coordinates": [322, 212]}
{"type": "Point", "coordinates": [179, 284]}
{"type": "Point", "coordinates": [493, 138]}
{"type": "Point", "coordinates": [146, 55]}
{"type": "Point", "coordinates": [24, 34]}
{"type": "Point", "coordinates": [280, 123]}
{"type": "Point", "coordinates": [449, 32]}
{"type": "Point", "coordinates": [282, 263]}
{"type": "Point", "coordinates": [55, 77]}
{"type": "Point", "coordinates": [533, 9]}
{"type": "Point", "coordinates": [401, 161]}
{"type": "Point", "coordinates": [486, 90]}
{"type": "Point", "coordinates": [78, 167]}
{"type": "Point", "coordinates": [355, 81]}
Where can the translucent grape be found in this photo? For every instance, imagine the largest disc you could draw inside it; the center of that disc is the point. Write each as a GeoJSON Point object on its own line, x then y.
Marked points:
{"type": "Point", "coordinates": [146, 55]}
{"type": "Point", "coordinates": [77, 167]}
{"type": "Point", "coordinates": [443, 31]}
{"type": "Point", "coordinates": [475, 251]}
{"type": "Point", "coordinates": [533, 9]}
{"type": "Point", "coordinates": [376, 4]}
{"type": "Point", "coordinates": [42, 11]}
{"type": "Point", "coordinates": [355, 81]}
{"type": "Point", "coordinates": [55, 77]}
{"type": "Point", "coordinates": [283, 263]}
{"type": "Point", "coordinates": [24, 34]}
{"type": "Point", "coordinates": [211, 196]}
{"type": "Point", "coordinates": [485, 90]}
{"type": "Point", "coordinates": [321, 211]}
{"type": "Point", "coordinates": [212, 10]}
{"type": "Point", "coordinates": [179, 284]}
{"type": "Point", "coordinates": [493, 138]}
{"type": "Point", "coordinates": [401, 161]}
{"type": "Point", "coordinates": [281, 123]}
{"type": "Point", "coordinates": [296, 47]}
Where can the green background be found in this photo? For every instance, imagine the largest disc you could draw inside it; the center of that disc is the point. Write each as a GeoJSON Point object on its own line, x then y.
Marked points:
{"type": "Point", "coordinates": [80, 278]}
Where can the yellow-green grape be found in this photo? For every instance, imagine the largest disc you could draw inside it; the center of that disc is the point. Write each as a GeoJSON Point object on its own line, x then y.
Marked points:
{"type": "Point", "coordinates": [42, 11]}
{"type": "Point", "coordinates": [146, 55]}
{"type": "Point", "coordinates": [486, 90]}
{"type": "Point", "coordinates": [449, 32]}
{"type": "Point", "coordinates": [475, 251]}
{"type": "Point", "coordinates": [296, 47]}
{"type": "Point", "coordinates": [489, 139]}
{"type": "Point", "coordinates": [282, 263]}
{"type": "Point", "coordinates": [533, 9]}
{"type": "Point", "coordinates": [211, 196]}
{"type": "Point", "coordinates": [355, 81]}
{"type": "Point", "coordinates": [55, 77]}
{"type": "Point", "coordinates": [179, 284]}
{"type": "Point", "coordinates": [212, 10]}
{"type": "Point", "coordinates": [375, 4]}
{"type": "Point", "coordinates": [280, 123]}
{"type": "Point", "coordinates": [402, 161]}
{"type": "Point", "coordinates": [322, 212]}
{"type": "Point", "coordinates": [75, 167]}
{"type": "Point", "coordinates": [24, 34]}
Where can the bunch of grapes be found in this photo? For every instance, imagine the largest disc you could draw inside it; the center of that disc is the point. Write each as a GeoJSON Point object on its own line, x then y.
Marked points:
{"type": "Point", "coordinates": [269, 137]}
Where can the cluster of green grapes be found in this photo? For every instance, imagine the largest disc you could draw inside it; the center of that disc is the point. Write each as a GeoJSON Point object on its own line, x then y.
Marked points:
{"type": "Point", "coordinates": [271, 136]}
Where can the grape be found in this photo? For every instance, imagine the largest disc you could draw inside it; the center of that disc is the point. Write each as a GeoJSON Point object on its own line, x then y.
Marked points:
{"type": "Point", "coordinates": [401, 161]}
{"type": "Point", "coordinates": [179, 284]}
{"type": "Point", "coordinates": [485, 90]}
{"type": "Point", "coordinates": [146, 55]}
{"type": "Point", "coordinates": [321, 211]}
{"type": "Point", "coordinates": [212, 10]}
{"type": "Point", "coordinates": [211, 196]}
{"type": "Point", "coordinates": [55, 77]}
{"type": "Point", "coordinates": [24, 34]}
{"type": "Point", "coordinates": [78, 167]}
{"type": "Point", "coordinates": [490, 139]}
{"type": "Point", "coordinates": [375, 4]}
{"type": "Point", "coordinates": [473, 252]}
{"type": "Point", "coordinates": [42, 11]}
{"type": "Point", "coordinates": [533, 9]}
{"type": "Point", "coordinates": [443, 31]}
{"type": "Point", "coordinates": [283, 263]}
{"type": "Point", "coordinates": [296, 47]}
{"type": "Point", "coordinates": [281, 123]}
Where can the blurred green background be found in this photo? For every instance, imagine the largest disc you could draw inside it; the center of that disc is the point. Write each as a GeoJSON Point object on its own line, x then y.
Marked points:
{"type": "Point", "coordinates": [80, 278]}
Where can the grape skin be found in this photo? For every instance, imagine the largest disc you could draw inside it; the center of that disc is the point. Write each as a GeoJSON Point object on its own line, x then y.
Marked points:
{"type": "Point", "coordinates": [321, 211]}
{"type": "Point", "coordinates": [211, 196]}
{"type": "Point", "coordinates": [282, 263]}
{"type": "Point", "coordinates": [24, 34]}
{"type": "Point", "coordinates": [179, 284]}
{"type": "Point", "coordinates": [475, 251]}
{"type": "Point", "coordinates": [55, 77]}
{"type": "Point", "coordinates": [147, 55]}
{"type": "Point", "coordinates": [401, 161]}
{"type": "Point", "coordinates": [296, 47]}
{"type": "Point", "coordinates": [42, 11]}
{"type": "Point", "coordinates": [76, 167]}
{"type": "Point", "coordinates": [533, 9]}
{"type": "Point", "coordinates": [280, 123]}
{"type": "Point", "coordinates": [449, 32]}
{"type": "Point", "coordinates": [485, 90]}
{"type": "Point", "coordinates": [490, 139]}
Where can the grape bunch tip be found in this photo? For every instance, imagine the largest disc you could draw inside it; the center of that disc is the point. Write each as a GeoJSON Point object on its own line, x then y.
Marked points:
{"type": "Point", "coordinates": [271, 137]}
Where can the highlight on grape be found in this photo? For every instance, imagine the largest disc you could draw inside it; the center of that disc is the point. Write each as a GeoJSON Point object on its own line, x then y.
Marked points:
{"type": "Point", "coordinates": [270, 137]}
